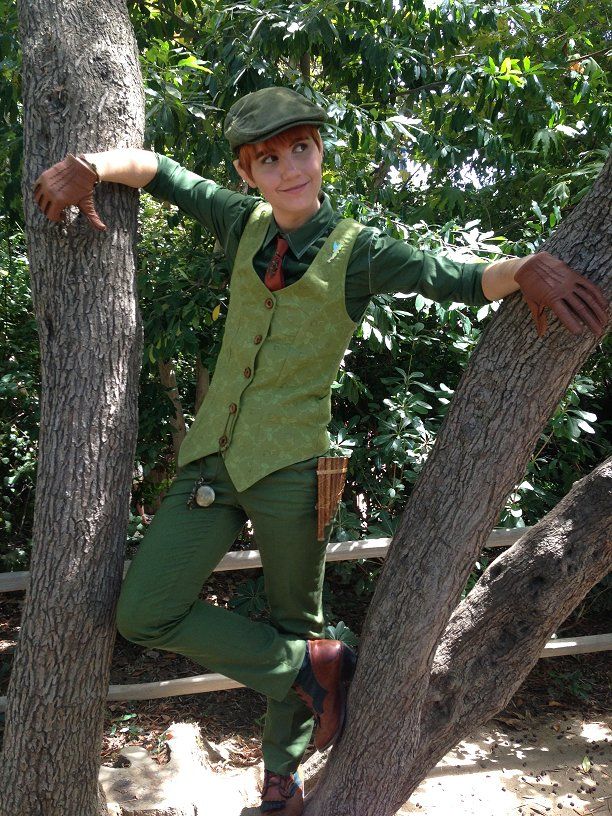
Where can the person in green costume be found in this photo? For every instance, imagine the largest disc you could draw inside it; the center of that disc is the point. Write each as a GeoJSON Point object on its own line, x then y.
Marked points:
{"type": "Point", "coordinates": [302, 278]}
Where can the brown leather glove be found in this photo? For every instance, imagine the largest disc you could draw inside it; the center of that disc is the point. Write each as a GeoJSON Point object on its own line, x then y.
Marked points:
{"type": "Point", "coordinates": [548, 281]}
{"type": "Point", "coordinates": [70, 181]}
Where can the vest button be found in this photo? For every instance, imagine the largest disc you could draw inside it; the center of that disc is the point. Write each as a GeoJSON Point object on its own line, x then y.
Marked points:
{"type": "Point", "coordinates": [247, 372]}
{"type": "Point", "coordinates": [223, 442]}
{"type": "Point", "coordinates": [257, 339]}
{"type": "Point", "coordinates": [233, 408]}
{"type": "Point", "coordinates": [269, 303]}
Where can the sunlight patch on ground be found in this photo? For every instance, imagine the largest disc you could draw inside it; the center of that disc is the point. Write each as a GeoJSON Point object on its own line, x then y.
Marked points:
{"type": "Point", "coordinates": [558, 766]}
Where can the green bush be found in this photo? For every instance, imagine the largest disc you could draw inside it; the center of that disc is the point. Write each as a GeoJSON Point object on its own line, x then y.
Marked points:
{"type": "Point", "coordinates": [19, 402]}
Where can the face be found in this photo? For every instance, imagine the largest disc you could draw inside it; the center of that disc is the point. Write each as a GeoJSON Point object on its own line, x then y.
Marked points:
{"type": "Point", "coordinates": [289, 179]}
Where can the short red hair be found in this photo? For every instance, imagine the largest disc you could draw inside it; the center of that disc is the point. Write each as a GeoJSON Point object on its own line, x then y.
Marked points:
{"type": "Point", "coordinates": [247, 153]}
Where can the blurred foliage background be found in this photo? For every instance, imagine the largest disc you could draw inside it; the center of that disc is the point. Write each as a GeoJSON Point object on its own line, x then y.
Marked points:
{"type": "Point", "coordinates": [463, 127]}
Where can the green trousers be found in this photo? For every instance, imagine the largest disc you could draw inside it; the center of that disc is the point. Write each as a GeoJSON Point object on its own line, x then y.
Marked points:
{"type": "Point", "coordinates": [159, 605]}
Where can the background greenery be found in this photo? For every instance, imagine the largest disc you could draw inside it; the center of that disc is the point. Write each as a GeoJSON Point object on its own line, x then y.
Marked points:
{"type": "Point", "coordinates": [461, 127]}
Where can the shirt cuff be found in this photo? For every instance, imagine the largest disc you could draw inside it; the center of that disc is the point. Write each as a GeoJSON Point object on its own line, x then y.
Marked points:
{"type": "Point", "coordinates": [471, 284]}
{"type": "Point", "coordinates": [156, 183]}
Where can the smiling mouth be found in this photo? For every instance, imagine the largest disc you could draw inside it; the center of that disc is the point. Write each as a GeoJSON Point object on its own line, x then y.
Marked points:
{"type": "Point", "coordinates": [295, 189]}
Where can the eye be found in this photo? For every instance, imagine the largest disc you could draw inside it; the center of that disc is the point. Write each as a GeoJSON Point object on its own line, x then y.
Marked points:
{"type": "Point", "coordinates": [300, 147]}
{"type": "Point", "coordinates": [269, 159]}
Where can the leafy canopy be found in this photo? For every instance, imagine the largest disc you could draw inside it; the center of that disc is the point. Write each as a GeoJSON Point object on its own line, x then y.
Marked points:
{"type": "Point", "coordinates": [459, 126]}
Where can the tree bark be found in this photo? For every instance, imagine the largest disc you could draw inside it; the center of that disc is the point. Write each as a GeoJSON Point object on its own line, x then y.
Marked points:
{"type": "Point", "coordinates": [492, 642]}
{"type": "Point", "coordinates": [82, 92]}
{"type": "Point", "coordinates": [422, 668]}
{"type": "Point", "coordinates": [305, 66]}
{"type": "Point", "coordinates": [167, 375]}
{"type": "Point", "coordinates": [202, 383]}
{"type": "Point", "coordinates": [510, 388]}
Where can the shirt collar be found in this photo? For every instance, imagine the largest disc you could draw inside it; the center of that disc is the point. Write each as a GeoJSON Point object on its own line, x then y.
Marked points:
{"type": "Point", "coordinates": [303, 237]}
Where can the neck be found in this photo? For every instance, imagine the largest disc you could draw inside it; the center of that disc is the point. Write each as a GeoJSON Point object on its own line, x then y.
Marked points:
{"type": "Point", "coordinates": [288, 221]}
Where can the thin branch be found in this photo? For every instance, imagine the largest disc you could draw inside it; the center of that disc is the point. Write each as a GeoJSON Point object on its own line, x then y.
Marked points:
{"type": "Point", "coordinates": [305, 66]}
{"type": "Point", "coordinates": [601, 52]}
{"type": "Point", "coordinates": [380, 174]}
{"type": "Point", "coordinates": [437, 84]}
{"type": "Point", "coordinates": [569, 61]}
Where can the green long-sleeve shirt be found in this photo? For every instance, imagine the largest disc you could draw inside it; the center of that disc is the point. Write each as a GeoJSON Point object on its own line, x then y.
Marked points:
{"type": "Point", "coordinates": [379, 263]}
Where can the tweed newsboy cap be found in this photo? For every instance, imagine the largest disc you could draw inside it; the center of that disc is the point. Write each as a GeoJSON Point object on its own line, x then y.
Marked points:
{"type": "Point", "coordinates": [262, 114]}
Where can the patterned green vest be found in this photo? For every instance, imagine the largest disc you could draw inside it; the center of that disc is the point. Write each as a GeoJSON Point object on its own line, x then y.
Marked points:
{"type": "Point", "coordinates": [269, 402]}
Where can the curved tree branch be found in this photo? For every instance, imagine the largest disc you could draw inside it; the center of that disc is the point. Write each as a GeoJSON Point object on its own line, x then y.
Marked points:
{"type": "Point", "coordinates": [510, 388]}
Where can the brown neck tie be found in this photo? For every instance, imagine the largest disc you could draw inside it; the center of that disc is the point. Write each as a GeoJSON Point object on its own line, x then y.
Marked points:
{"type": "Point", "coordinates": [274, 278]}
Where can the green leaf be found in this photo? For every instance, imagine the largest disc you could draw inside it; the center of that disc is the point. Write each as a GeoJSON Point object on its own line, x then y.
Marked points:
{"type": "Point", "coordinates": [544, 138]}
{"type": "Point", "coordinates": [420, 303]}
{"type": "Point", "coordinates": [536, 208]}
{"type": "Point", "coordinates": [192, 62]}
{"type": "Point", "coordinates": [568, 131]}
{"type": "Point", "coordinates": [342, 633]}
{"type": "Point", "coordinates": [250, 598]}
{"type": "Point", "coordinates": [585, 426]}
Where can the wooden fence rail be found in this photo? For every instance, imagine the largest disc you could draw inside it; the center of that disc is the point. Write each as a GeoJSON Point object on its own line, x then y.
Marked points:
{"type": "Point", "coordinates": [341, 551]}
{"type": "Point", "coordinates": [250, 559]}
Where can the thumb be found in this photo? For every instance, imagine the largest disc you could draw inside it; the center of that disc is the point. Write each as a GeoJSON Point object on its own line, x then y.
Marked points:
{"type": "Point", "coordinates": [539, 317]}
{"type": "Point", "coordinates": [86, 206]}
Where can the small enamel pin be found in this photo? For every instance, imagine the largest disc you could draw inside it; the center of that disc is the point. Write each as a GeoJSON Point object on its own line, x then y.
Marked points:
{"type": "Point", "coordinates": [336, 247]}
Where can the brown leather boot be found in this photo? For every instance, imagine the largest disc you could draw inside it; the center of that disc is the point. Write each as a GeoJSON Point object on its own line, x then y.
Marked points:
{"type": "Point", "coordinates": [282, 794]}
{"type": "Point", "coordinates": [322, 684]}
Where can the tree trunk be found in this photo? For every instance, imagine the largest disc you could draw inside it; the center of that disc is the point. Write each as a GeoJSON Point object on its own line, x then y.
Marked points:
{"type": "Point", "coordinates": [167, 375]}
{"type": "Point", "coordinates": [202, 384]}
{"type": "Point", "coordinates": [492, 642]}
{"type": "Point", "coordinates": [82, 92]}
{"type": "Point", "coordinates": [510, 388]}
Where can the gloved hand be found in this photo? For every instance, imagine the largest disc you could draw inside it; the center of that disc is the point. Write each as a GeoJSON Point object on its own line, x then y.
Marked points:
{"type": "Point", "coordinates": [70, 181]}
{"type": "Point", "coordinates": [548, 281]}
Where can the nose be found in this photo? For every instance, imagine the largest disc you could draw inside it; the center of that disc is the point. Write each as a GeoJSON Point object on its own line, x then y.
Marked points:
{"type": "Point", "coordinates": [288, 167]}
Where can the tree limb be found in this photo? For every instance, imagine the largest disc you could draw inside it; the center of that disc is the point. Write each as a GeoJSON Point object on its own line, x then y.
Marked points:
{"type": "Point", "coordinates": [496, 635]}
{"type": "Point", "coordinates": [510, 388]}
{"type": "Point", "coordinates": [167, 375]}
{"type": "Point", "coordinates": [202, 383]}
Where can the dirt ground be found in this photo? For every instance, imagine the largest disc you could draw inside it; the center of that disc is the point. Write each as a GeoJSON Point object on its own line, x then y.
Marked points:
{"type": "Point", "coordinates": [558, 763]}
{"type": "Point", "coordinates": [548, 752]}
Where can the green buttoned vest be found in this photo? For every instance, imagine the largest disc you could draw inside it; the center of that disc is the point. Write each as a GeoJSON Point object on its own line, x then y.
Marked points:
{"type": "Point", "coordinates": [269, 402]}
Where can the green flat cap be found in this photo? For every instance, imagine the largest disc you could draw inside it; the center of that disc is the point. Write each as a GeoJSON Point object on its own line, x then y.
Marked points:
{"type": "Point", "coordinates": [262, 114]}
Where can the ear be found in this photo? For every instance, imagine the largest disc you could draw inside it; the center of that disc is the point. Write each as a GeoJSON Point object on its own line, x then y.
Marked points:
{"type": "Point", "coordinates": [243, 174]}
